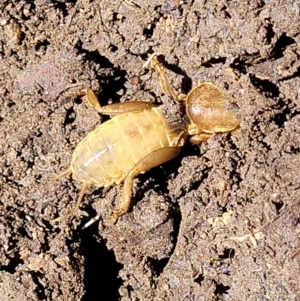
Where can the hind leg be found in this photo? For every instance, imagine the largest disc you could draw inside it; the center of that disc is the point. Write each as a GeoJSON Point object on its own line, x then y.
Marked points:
{"type": "Point", "coordinates": [65, 173]}
{"type": "Point", "coordinates": [81, 194]}
{"type": "Point", "coordinates": [153, 159]}
{"type": "Point", "coordinates": [76, 208]}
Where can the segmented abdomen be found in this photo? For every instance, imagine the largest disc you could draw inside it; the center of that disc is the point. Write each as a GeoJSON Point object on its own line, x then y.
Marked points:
{"type": "Point", "coordinates": [107, 154]}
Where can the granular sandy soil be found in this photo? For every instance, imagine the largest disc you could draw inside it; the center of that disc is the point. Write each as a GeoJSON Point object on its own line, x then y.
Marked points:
{"type": "Point", "coordinates": [220, 222]}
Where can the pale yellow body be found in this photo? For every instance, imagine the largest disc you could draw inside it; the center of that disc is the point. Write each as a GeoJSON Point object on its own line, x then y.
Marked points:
{"type": "Point", "coordinates": [107, 154]}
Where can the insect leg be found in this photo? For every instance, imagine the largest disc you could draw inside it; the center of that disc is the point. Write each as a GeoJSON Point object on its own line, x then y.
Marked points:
{"type": "Point", "coordinates": [112, 109]}
{"type": "Point", "coordinates": [163, 78]}
{"type": "Point", "coordinates": [196, 139]}
{"type": "Point", "coordinates": [125, 107]}
{"type": "Point", "coordinates": [76, 208]}
{"type": "Point", "coordinates": [65, 173]}
{"type": "Point", "coordinates": [153, 159]}
{"type": "Point", "coordinates": [89, 95]}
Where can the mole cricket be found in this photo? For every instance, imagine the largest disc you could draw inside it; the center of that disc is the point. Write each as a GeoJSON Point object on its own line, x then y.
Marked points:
{"type": "Point", "coordinates": [141, 136]}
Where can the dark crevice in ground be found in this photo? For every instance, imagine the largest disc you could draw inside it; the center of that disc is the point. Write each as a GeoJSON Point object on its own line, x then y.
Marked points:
{"type": "Point", "coordinates": [186, 85]}
{"type": "Point", "coordinates": [264, 85]}
{"type": "Point", "coordinates": [227, 253]}
{"type": "Point", "coordinates": [70, 116]}
{"type": "Point", "coordinates": [242, 63]}
{"type": "Point", "coordinates": [40, 289]}
{"type": "Point", "coordinates": [149, 30]}
{"type": "Point", "coordinates": [94, 56]}
{"type": "Point", "coordinates": [42, 44]}
{"type": "Point", "coordinates": [221, 289]}
{"type": "Point", "coordinates": [101, 267]}
{"type": "Point", "coordinates": [284, 115]}
{"type": "Point", "coordinates": [158, 265]}
{"type": "Point", "coordinates": [293, 75]}
{"type": "Point", "coordinates": [63, 6]}
{"type": "Point", "coordinates": [14, 262]}
{"type": "Point", "coordinates": [270, 33]}
{"type": "Point", "coordinates": [113, 82]}
{"type": "Point", "coordinates": [281, 44]}
{"type": "Point", "coordinates": [213, 61]}
{"type": "Point", "coordinates": [199, 279]}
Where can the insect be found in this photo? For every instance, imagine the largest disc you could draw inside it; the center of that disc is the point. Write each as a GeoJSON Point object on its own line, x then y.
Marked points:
{"type": "Point", "coordinates": [141, 136]}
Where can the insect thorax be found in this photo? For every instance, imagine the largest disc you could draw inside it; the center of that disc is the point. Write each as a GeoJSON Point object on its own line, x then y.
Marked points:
{"type": "Point", "coordinates": [173, 113]}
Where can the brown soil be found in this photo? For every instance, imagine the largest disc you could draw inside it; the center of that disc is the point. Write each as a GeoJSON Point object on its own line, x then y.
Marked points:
{"type": "Point", "coordinates": [220, 222]}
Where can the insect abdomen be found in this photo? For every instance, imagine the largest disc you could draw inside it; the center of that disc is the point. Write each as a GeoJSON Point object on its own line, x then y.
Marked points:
{"type": "Point", "coordinates": [107, 154]}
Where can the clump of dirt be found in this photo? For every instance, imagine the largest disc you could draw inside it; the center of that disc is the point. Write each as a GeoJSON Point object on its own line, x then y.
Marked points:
{"type": "Point", "coordinates": [220, 222]}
